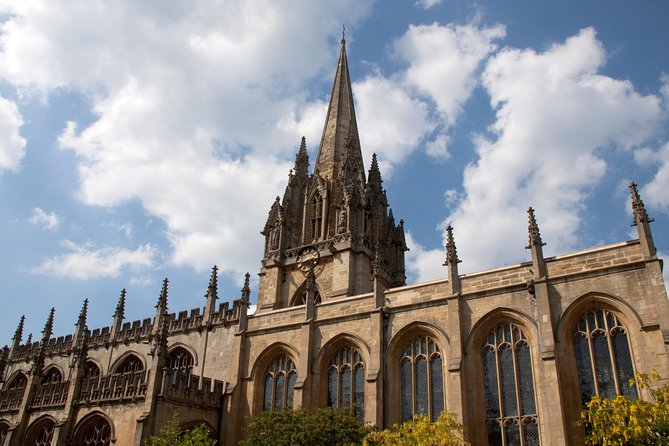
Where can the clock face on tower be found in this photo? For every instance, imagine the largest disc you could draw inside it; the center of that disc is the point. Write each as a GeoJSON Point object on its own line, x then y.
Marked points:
{"type": "Point", "coordinates": [308, 259]}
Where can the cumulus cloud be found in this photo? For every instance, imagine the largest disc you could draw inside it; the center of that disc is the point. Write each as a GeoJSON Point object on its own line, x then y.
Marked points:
{"type": "Point", "coordinates": [423, 264]}
{"type": "Point", "coordinates": [199, 107]}
{"type": "Point", "coordinates": [556, 116]}
{"type": "Point", "coordinates": [84, 261]}
{"type": "Point", "coordinates": [12, 145]}
{"type": "Point", "coordinates": [46, 220]}
{"type": "Point", "coordinates": [655, 192]}
{"type": "Point", "coordinates": [427, 4]}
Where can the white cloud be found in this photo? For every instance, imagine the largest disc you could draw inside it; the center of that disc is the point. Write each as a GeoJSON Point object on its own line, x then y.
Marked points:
{"type": "Point", "coordinates": [198, 106]}
{"type": "Point", "coordinates": [555, 117]}
{"type": "Point", "coordinates": [427, 4]}
{"type": "Point", "coordinates": [655, 192]}
{"type": "Point", "coordinates": [46, 220]}
{"type": "Point", "coordinates": [665, 274]}
{"type": "Point", "coordinates": [12, 145]}
{"type": "Point", "coordinates": [392, 124]}
{"type": "Point", "coordinates": [85, 262]}
{"type": "Point", "coordinates": [423, 264]}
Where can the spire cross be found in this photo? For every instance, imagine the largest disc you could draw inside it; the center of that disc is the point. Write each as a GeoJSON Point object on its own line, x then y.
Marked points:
{"type": "Point", "coordinates": [343, 34]}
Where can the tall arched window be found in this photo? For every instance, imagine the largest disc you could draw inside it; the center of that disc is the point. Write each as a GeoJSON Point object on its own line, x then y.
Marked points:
{"type": "Point", "coordinates": [18, 382]}
{"type": "Point", "coordinates": [511, 411]}
{"type": "Point", "coordinates": [603, 358]}
{"type": "Point", "coordinates": [95, 431]}
{"type": "Point", "coordinates": [346, 381]}
{"type": "Point", "coordinates": [91, 369]}
{"type": "Point", "coordinates": [130, 364]}
{"type": "Point", "coordinates": [279, 384]}
{"type": "Point", "coordinates": [316, 213]}
{"type": "Point", "coordinates": [422, 380]}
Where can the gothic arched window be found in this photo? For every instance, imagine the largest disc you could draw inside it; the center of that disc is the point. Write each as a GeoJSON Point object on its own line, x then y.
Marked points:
{"type": "Point", "coordinates": [511, 412]}
{"type": "Point", "coordinates": [181, 363]}
{"type": "Point", "coordinates": [91, 369]}
{"type": "Point", "coordinates": [40, 434]}
{"type": "Point", "coordinates": [346, 381]}
{"type": "Point", "coordinates": [52, 375]}
{"type": "Point", "coordinates": [130, 364]}
{"type": "Point", "coordinates": [301, 297]}
{"type": "Point", "coordinates": [95, 432]}
{"type": "Point", "coordinates": [421, 379]}
{"type": "Point", "coordinates": [279, 384]}
{"type": "Point", "coordinates": [316, 213]}
{"type": "Point", "coordinates": [603, 357]}
{"type": "Point", "coordinates": [18, 382]}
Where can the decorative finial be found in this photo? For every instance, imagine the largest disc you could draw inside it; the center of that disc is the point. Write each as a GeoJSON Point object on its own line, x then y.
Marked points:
{"type": "Point", "coordinates": [120, 306]}
{"type": "Point", "coordinates": [18, 334]}
{"type": "Point", "coordinates": [30, 339]}
{"type": "Point", "coordinates": [81, 322]}
{"type": "Point", "coordinates": [533, 230]}
{"type": "Point", "coordinates": [246, 290]}
{"type": "Point", "coordinates": [638, 208]}
{"type": "Point", "coordinates": [343, 34]}
{"type": "Point", "coordinates": [451, 250]}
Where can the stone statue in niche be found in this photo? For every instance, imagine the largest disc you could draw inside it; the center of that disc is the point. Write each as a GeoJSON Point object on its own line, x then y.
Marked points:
{"type": "Point", "coordinates": [343, 221]}
{"type": "Point", "coordinates": [274, 237]}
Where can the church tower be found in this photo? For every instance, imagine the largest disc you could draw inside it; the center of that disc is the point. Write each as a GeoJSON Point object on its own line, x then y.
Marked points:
{"type": "Point", "coordinates": [333, 225]}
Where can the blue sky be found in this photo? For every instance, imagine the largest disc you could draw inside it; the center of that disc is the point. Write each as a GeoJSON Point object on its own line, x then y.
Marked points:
{"type": "Point", "coordinates": [143, 140]}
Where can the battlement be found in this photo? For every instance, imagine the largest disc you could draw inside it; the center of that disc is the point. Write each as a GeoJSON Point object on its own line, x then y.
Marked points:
{"type": "Point", "coordinates": [185, 321]}
{"type": "Point", "coordinates": [135, 330]}
{"type": "Point", "coordinates": [99, 337]}
{"type": "Point", "coordinates": [190, 389]}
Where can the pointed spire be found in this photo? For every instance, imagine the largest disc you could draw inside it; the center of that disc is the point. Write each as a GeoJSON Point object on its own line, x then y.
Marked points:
{"type": "Point", "coordinates": [642, 223]}
{"type": "Point", "coordinates": [18, 334]}
{"type": "Point", "coordinates": [340, 123]}
{"type": "Point", "coordinates": [48, 326]}
{"type": "Point", "coordinates": [120, 306]}
{"type": "Point", "coordinates": [451, 250]}
{"type": "Point", "coordinates": [81, 322]}
{"type": "Point", "coordinates": [246, 290]}
{"type": "Point", "coordinates": [302, 160]}
{"type": "Point", "coordinates": [452, 261]}
{"type": "Point", "coordinates": [212, 289]}
{"type": "Point", "coordinates": [162, 299]}
{"type": "Point", "coordinates": [533, 230]}
{"type": "Point", "coordinates": [638, 208]}
{"type": "Point", "coordinates": [374, 176]}
{"type": "Point", "coordinates": [30, 339]}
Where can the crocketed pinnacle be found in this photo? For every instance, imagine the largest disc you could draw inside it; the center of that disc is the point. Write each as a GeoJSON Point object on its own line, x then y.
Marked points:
{"type": "Point", "coordinates": [451, 250]}
{"type": "Point", "coordinates": [638, 208]}
{"type": "Point", "coordinates": [162, 300]}
{"type": "Point", "coordinates": [18, 334]}
{"type": "Point", "coordinates": [533, 230]}
{"type": "Point", "coordinates": [302, 159]}
{"type": "Point", "coordinates": [81, 322]}
{"type": "Point", "coordinates": [48, 326]}
{"type": "Point", "coordinates": [120, 306]}
{"type": "Point", "coordinates": [246, 290]}
{"type": "Point", "coordinates": [212, 289]}
{"type": "Point", "coordinates": [374, 175]}
{"type": "Point", "coordinates": [340, 127]}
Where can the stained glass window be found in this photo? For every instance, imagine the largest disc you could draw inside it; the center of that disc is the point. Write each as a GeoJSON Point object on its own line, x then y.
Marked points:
{"type": "Point", "coordinates": [346, 381]}
{"type": "Point", "coordinates": [603, 359]}
{"type": "Point", "coordinates": [279, 384]}
{"type": "Point", "coordinates": [421, 379]}
{"type": "Point", "coordinates": [508, 381]}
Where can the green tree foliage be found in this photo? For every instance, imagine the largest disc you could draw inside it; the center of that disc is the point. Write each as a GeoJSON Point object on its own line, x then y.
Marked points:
{"type": "Point", "coordinates": [446, 431]}
{"type": "Point", "coordinates": [171, 435]}
{"type": "Point", "coordinates": [324, 427]}
{"type": "Point", "coordinates": [620, 421]}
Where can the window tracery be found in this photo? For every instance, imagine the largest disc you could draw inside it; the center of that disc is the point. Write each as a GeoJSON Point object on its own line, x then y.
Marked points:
{"type": "Point", "coordinates": [180, 363]}
{"type": "Point", "coordinates": [421, 379]}
{"type": "Point", "coordinates": [603, 357]}
{"type": "Point", "coordinates": [346, 381]}
{"type": "Point", "coordinates": [96, 432]}
{"type": "Point", "coordinates": [41, 434]}
{"type": "Point", "coordinates": [52, 375]}
{"type": "Point", "coordinates": [91, 369]}
{"type": "Point", "coordinates": [130, 364]}
{"type": "Point", "coordinates": [279, 384]}
{"type": "Point", "coordinates": [511, 414]}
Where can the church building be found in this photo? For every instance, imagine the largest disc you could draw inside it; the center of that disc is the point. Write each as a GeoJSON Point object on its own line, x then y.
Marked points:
{"type": "Point", "coordinates": [513, 352]}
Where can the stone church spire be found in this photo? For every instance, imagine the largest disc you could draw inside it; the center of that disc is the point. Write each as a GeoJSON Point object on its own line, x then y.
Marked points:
{"type": "Point", "coordinates": [341, 128]}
